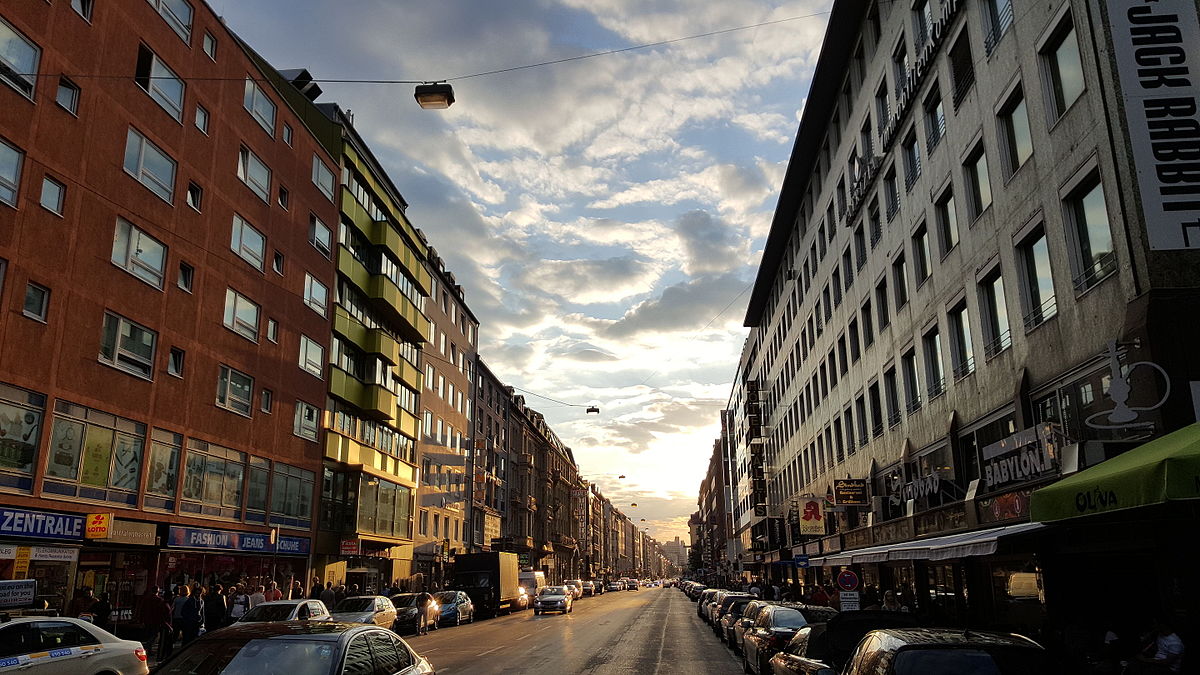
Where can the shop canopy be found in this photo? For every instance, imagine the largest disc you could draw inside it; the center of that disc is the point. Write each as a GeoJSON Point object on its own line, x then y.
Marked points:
{"type": "Point", "coordinates": [1163, 470]}
{"type": "Point", "coordinates": [948, 547]}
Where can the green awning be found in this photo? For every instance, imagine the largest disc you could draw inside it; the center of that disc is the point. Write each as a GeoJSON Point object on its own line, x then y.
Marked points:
{"type": "Point", "coordinates": [1162, 470]}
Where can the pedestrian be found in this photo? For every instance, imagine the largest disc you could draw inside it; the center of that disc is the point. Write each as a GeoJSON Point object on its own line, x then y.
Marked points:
{"type": "Point", "coordinates": [239, 604]}
{"type": "Point", "coordinates": [329, 596]}
{"type": "Point", "coordinates": [102, 613]}
{"type": "Point", "coordinates": [216, 608]}
{"type": "Point", "coordinates": [819, 597]}
{"type": "Point", "coordinates": [755, 590]}
{"type": "Point", "coordinates": [891, 603]}
{"type": "Point", "coordinates": [273, 593]}
{"type": "Point", "coordinates": [182, 594]}
{"type": "Point", "coordinates": [354, 590]}
{"type": "Point", "coordinates": [314, 593]}
{"type": "Point", "coordinates": [154, 613]}
{"type": "Point", "coordinates": [258, 597]}
{"type": "Point", "coordinates": [192, 614]}
{"type": "Point", "coordinates": [422, 603]}
{"type": "Point", "coordinates": [82, 604]}
{"type": "Point", "coordinates": [776, 594]}
{"type": "Point", "coordinates": [395, 589]}
{"type": "Point", "coordinates": [1162, 653]}
{"type": "Point", "coordinates": [339, 594]}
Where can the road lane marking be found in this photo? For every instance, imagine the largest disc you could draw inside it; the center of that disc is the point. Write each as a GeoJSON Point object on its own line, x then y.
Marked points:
{"type": "Point", "coordinates": [494, 649]}
{"type": "Point", "coordinates": [524, 636]}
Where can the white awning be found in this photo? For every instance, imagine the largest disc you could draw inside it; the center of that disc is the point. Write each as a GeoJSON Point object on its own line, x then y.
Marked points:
{"type": "Point", "coordinates": [947, 547]}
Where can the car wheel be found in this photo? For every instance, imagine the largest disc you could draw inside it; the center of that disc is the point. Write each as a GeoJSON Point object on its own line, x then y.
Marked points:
{"type": "Point", "coordinates": [537, 612]}
{"type": "Point", "coordinates": [458, 619]}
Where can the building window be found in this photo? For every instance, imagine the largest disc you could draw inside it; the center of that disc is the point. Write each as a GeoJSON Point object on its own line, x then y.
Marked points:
{"type": "Point", "coordinates": [266, 401]}
{"type": "Point", "coordinates": [308, 419]}
{"type": "Point", "coordinates": [961, 351]}
{"type": "Point", "coordinates": [860, 247]}
{"type": "Point", "coordinates": [900, 279]}
{"type": "Point", "coordinates": [160, 82]}
{"type": "Point", "coordinates": [277, 263]}
{"type": "Point", "coordinates": [195, 196]}
{"type": "Point", "coordinates": [923, 23]}
{"type": "Point", "coordinates": [178, 15]}
{"type": "Point", "coordinates": [10, 172]}
{"type": "Point", "coordinates": [139, 254]}
{"type": "Point", "coordinates": [320, 236]}
{"type": "Point", "coordinates": [920, 245]}
{"type": "Point", "coordinates": [312, 356]}
{"type": "Point", "coordinates": [962, 68]}
{"type": "Point", "coordinates": [912, 160]}
{"type": "Point", "coordinates": [1063, 68]}
{"type": "Point", "coordinates": [979, 184]}
{"type": "Point", "coordinates": [935, 120]}
{"type": "Point", "coordinates": [891, 397]}
{"type": "Point", "coordinates": [891, 192]}
{"type": "Point", "coordinates": [209, 44]}
{"type": "Point", "coordinates": [255, 174]}
{"type": "Point", "coordinates": [37, 302]}
{"type": "Point", "coordinates": [83, 8]}
{"type": "Point", "coordinates": [900, 65]}
{"type": "Point", "coordinates": [202, 119]}
{"type": "Point", "coordinates": [423, 523]}
{"type": "Point", "coordinates": [998, 16]}
{"type": "Point", "coordinates": [994, 311]}
{"type": "Point", "coordinates": [1033, 255]}
{"type": "Point", "coordinates": [127, 345]}
{"type": "Point", "coordinates": [316, 295]}
{"type": "Point", "coordinates": [162, 480]}
{"type": "Point", "coordinates": [882, 107]}
{"type": "Point", "coordinates": [234, 390]}
{"type": "Point", "coordinates": [67, 95]}
{"type": "Point", "coordinates": [151, 166]}
{"type": "Point", "coordinates": [19, 59]}
{"type": "Point", "coordinates": [1088, 216]}
{"type": "Point", "coordinates": [947, 220]}
{"type": "Point", "coordinates": [96, 451]}
{"type": "Point", "coordinates": [284, 198]}
{"type": "Point", "coordinates": [260, 106]}
{"type": "Point", "coordinates": [286, 134]}
{"type": "Point", "coordinates": [881, 303]}
{"type": "Point", "coordinates": [1014, 129]}
{"type": "Point", "coordinates": [214, 479]}
{"type": "Point", "coordinates": [912, 381]}
{"type": "Point", "coordinates": [248, 243]}
{"type": "Point", "coordinates": [273, 330]}
{"type": "Point", "coordinates": [867, 324]}
{"type": "Point", "coordinates": [186, 276]}
{"type": "Point", "coordinates": [322, 177]}
{"type": "Point", "coordinates": [935, 373]}
{"type": "Point", "coordinates": [241, 315]}
{"type": "Point", "coordinates": [175, 361]}
{"type": "Point", "coordinates": [53, 195]}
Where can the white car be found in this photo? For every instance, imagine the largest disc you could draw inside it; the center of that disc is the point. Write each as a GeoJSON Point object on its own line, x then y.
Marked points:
{"type": "Point", "coordinates": [287, 610]}
{"type": "Point", "coordinates": [66, 646]}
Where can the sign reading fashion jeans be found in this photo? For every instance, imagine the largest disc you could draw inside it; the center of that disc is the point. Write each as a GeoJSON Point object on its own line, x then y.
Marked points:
{"type": "Point", "coordinates": [250, 542]}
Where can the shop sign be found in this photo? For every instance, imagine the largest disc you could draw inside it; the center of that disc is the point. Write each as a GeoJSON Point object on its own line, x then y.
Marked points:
{"type": "Point", "coordinates": [924, 486]}
{"type": "Point", "coordinates": [1005, 507]}
{"type": "Point", "coordinates": [812, 519]}
{"type": "Point", "coordinates": [197, 537]}
{"type": "Point", "coordinates": [133, 532]}
{"type": "Point", "coordinates": [893, 531]}
{"type": "Point", "coordinates": [949, 519]}
{"type": "Point", "coordinates": [21, 563]}
{"type": "Point", "coordinates": [349, 547]}
{"type": "Point", "coordinates": [857, 538]}
{"type": "Point", "coordinates": [98, 526]}
{"type": "Point", "coordinates": [40, 553]}
{"type": "Point", "coordinates": [40, 524]}
{"type": "Point", "coordinates": [850, 492]}
{"type": "Point", "coordinates": [294, 545]}
{"type": "Point", "coordinates": [17, 593]}
{"type": "Point", "coordinates": [491, 527]}
{"type": "Point", "coordinates": [1025, 456]}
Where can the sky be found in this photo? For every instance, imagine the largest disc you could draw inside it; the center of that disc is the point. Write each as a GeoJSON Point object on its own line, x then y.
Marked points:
{"type": "Point", "coordinates": [604, 216]}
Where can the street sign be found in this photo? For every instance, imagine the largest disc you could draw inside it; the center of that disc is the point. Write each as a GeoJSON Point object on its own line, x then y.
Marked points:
{"type": "Point", "coordinates": [847, 580]}
{"type": "Point", "coordinates": [18, 593]}
{"type": "Point", "coordinates": [800, 561]}
{"type": "Point", "coordinates": [848, 601]}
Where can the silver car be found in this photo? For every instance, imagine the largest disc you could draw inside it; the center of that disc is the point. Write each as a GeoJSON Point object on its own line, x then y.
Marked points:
{"type": "Point", "coordinates": [554, 599]}
{"type": "Point", "coordinates": [287, 610]}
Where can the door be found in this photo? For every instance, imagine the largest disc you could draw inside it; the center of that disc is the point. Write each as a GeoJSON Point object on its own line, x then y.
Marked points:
{"type": "Point", "coordinates": [391, 658]}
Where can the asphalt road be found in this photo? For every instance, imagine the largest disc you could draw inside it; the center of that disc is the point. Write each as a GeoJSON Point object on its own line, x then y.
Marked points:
{"type": "Point", "coordinates": [648, 632]}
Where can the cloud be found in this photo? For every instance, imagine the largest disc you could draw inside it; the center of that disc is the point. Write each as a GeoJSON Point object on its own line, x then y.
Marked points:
{"type": "Point", "coordinates": [688, 305]}
{"type": "Point", "coordinates": [584, 281]}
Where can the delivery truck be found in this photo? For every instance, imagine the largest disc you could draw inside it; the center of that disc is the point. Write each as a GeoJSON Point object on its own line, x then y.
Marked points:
{"type": "Point", "coordinates": [490, 579]}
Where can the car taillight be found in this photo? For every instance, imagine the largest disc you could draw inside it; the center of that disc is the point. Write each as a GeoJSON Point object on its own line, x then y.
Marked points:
{"type": "Point", "coordinates": [140, 654]}
{"type": "Point", "coordinates": [778, 641]}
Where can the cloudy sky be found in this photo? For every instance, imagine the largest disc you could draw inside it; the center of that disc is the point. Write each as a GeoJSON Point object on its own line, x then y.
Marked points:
{"type": "Point", "coordinates": [605, 216]}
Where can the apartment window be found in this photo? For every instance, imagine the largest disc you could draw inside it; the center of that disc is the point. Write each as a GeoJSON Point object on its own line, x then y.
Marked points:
{"type": "Point", "coordinates": [320, 236]}
{"type": "Point", "coordinates": [175, 361]}
{"type": "Point", "coordinates": [312, 356]}
{"type": "Point", "coordinates": [272, 330]}
{"type": "Point", "coordinates": [83, 8]}
{"type": "Point", "coordinates": [882, 108]}
{"type": "Point", "coordinates": [860, 409]}
{"type": "Point", "coordinates": [202, 119]}
{"type": "Point", "coordinates": [19, 59]}
{"type": "Point", "coordinates": [307, 422]}
{"type": "Point", "coordinates": [891, 192]}
{"type": "Point", "coordinates": [1033, 255]}
{"type": "Point", "coordinates": [277, 263]}
{"type": "Point", "coordinates": [316, 295]}
{"type": "Point", "coordinates": [855, 346]}
{"type": "Point", "coordinates": [266, 401]}
{"type": "Point", "coordinates": [920, 246]}
{"type": "Point", "coordinates": [260, 106]}
{"type": "Point", "coordinates": [961, 351]}
{"type": "Point", "coordinates": [1063, 68]}
{"type": "Point", "coordinates": [209, 44]}
{"type": "Point", "coordinates": [900, 65]}
{"type": "Point", "coordinates": [912, 160]}
{"type": "Point", "coordinates": [847, 269]}
{"type": "Point", "coordinates": [241, 314]}
{"type": "Point", "coordinates": [187, 275]}
{"type": "Point", "coordinates": [1014, 129]}
{"type": "Point", "coordinates": [947, 220]}
{"type": "Point", "coordinates": [423, 523]}
{"type": "Point", "coordinates": [285, 198]}
{"type": "Point", "coordinates": [178, 15]}
{"type": "Point", "coordinates": [37, 302]}
{"type": "Point", "coordinates": [876, 410]}
{"type": "Point", "coordinates": [979, 184]}
{"type": "Point", "coordinates": [10, 172]}
{"type": "Point", "coordinates": [287, 134]}
{"type": "Point", "coordinates": [867, 325]}
{"type": "Point", "coordinates": [900, 279]}
{"type": "Point", "coordinates": [876, 225]}
{"type": "Point", "coordinates": [248, 243]}
{"type": "Point", "coordinates": [53, 195]}
{"type": "Point", "coordinates": [255, 174]}
{"type": "Point", "coordinates": [891, 397]}
{"type": "Point", "coordinates": [867, 141]}
{"type": "Point", "coordinates": [127, 345]}
{"type": "Point", "coordinates": [994, 313]}
{"type": "Point", "coordinates": [67, 95]}
{"type": "Point", "coordinates": [1088, 216]}
{"type": "Point", "coordinates": [912, 381]}
{"type": "Point", "coordinates": [881, 303]}
{"type": "Point", "coordinates": [160, 82]}
{"type": "Point", "coordinates": [151, 166]}
{"type": "Point", "coordinates": [935, 119]}
{"type": "Point", "coordinates": [139, 254]}
{"type": "Point", "coordinates": [234, 390]}
{"type": "Point", "coordinates": [998, 15]}
{"type": "Point", "coordinates": [935, 373]}
{"type": "Point", "coordinates": [322, 177]}
{"type": "Point", "coordinates": [923, 23]}
{"type": "Point", "coordinates": [860, 247]}
{"type": "Point", "coordinates": [962, 68]}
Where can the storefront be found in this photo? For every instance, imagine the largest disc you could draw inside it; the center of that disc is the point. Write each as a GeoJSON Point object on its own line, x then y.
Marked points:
{"type": "Point", "coordinates": [43, 546]}
{"type": "Point", "coordinates": [207, 556]}
{"type": "Point", "coordinates": [119, 558]}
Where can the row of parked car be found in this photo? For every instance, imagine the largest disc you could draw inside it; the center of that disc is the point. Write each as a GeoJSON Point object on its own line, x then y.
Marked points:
{"type": "Point", "coordinates": [562, 598]}
{"type": "Point", "coordinates": [788, 638]}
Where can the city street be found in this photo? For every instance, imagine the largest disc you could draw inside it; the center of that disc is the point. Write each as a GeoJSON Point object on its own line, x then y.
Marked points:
{"type": "Point", "coordinates": [651, 631]}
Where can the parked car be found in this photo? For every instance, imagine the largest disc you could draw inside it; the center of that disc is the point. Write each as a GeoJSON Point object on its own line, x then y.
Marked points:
{"type": "Point", "coordinates": [921, 651]}
{"type": "Point", "coordinates": [576, 587]}
{"type": "Point", "coordinates": [589, 588]}
{"type": "Point", "coordinates": [66, 646]}
{"type": "Point", "coordinates": [287, 610]}
{"type": "Point", "coordinates": [720, 605]}
{"type": "Point", "coordinates": [737, 630]}
{"type": "Point", "coordinates": [702, 601]}
{"type": "Point", "coordinates": [829, 644]}
{"type": "Point", "coordinates": [376, 609]}
{"type": "Point", "coordinates": [695, 590]}
{"type": "Point", "coordinates": [457, 607]}
{"type": "Point", "coordinates": [774, 628]}
{"type": "Point", "coordinates": [409, 616]}
{"type": "Point", "coordinates": [731, 612]}
{"type": "Point", "coordinates": [297, 648]}
{"type": "Point", "coordinates": [631, 585]}
{"type": "Point", "coordinates": [616, 586]}
{"type": "Point", "coordinates": [554, 599]}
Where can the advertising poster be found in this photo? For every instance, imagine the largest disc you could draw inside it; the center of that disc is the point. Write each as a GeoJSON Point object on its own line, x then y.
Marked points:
{"type": "Point", "coordinates": [97, 457]}
{"type": "Point", "coordinates": [66, 444]}
{"type": "Point", "coordinates": [18, 437]}
{"type": "Point", "coordinates": [164, 466]}
{"type": "Point", "coordinates": [127, 465]}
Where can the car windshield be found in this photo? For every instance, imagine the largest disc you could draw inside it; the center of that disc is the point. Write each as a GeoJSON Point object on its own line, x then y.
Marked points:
{"type": "Point", "coordinates": [269, 613]}
{"type": "Point", "coordinates": [445, 597]}
{"type": "Point", "coordinates": [978, 661]}
{"type": "Point", "coordinates": [405, 600]}
{"type": "Point", "coordinates": [252, 657]}
{"type": "Point", "coordinates": [738, 605]}
{"type": "Point", "coordinates": [553, 590]}
{"type": "Point", "coordinates": [355, 605]}
{"type": "Point", "coordinates": [786, 617]}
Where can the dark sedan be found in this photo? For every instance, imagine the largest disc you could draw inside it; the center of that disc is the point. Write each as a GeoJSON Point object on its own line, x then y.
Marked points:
{"type": "Point", "coordinates": [829, 644]}
{"type": "Point", "coordinates": [728, 617]}
{"type": "Point", "coordinates": [411, 616]}
{"type": "Point", "coordinates": [927, 651]}
{"type": "Point", "coordinates": [773, 628]}
{"type": "Point", "coordinates": [297, 648]}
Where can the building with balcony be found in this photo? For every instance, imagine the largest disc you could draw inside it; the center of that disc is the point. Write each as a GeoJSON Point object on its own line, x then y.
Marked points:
{"type": "Point", "coordinates": [491, 465]}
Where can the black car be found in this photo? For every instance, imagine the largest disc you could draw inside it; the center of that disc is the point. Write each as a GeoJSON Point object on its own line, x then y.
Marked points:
{"type": "Point", "coordinates": [773, 629]}
{"type": "Point", "coordinates": [829, 644]}
{"type": "Point", "coordinates": [297, 648]}
{"type": "Point", "coordinates": [928, 651]}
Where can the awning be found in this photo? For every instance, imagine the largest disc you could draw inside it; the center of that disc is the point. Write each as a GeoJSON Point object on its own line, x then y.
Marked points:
{"type": "Point", "coordinates": [948, 547]}
{"type": "Point", "coordinates": [1163, 470]}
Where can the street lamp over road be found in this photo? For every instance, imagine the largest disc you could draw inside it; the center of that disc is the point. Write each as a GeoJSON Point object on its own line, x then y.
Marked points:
{"type": "Point", "coordinates": [435, 96]}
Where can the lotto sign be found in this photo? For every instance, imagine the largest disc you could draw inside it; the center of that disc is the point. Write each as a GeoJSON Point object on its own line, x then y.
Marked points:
{"type": "Point", "coordinates": [98, 526]}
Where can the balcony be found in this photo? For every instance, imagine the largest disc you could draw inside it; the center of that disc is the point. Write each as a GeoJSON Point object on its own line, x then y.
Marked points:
{"type": "Point", "coordinates": [370, 340]}
{"type": "Point", "coordinates": [372, 399]}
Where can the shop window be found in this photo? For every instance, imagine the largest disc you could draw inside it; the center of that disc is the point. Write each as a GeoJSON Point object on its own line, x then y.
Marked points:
{"type": "Point", "coordinates": [162, 472]}
{"type": "Point", "coordinates": [212, 480]}
{"type": "Point", "coordinates": [384, 508]}
{"type": "Point", "coordinates": [21, 415]}
{"type": "Point", "coordinates": [291, 496]}
{"type": "Point", "coordinates": [94, 455]}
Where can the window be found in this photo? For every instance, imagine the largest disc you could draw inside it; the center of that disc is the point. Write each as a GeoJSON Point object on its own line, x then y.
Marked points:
{"type": "Point", "coordinates": [1088, 216]}
{"type": "Point", "coordinates": [912, 381]}
{"type": "Point", "coordinates": [912, 160]}
{"type": "Point", "coordinates": [322, 177]}
{"type": "Point", "coordinates": [139, 254]}
{"type": "Point", "coordinates": [67, 95]}
{"type": "Point", "coordinates": [1063, 68]}
{"type": "Point", "coordinates": [10, 172]}
{"type": "Point", "coordinates": [175, 362]}
{"type": "Point", "coordinates": [979, 184]}
{"type": "Point", "coordinates": [882, 108]}
{"type": "Point", "coordinates": [867, 326]}
{"type": "Point", "coordinates": [923, 22]}
{"type": "Point", "coordinates": [241, 314]}
{"type": "Point", "coordinates": [900, 279]}
{"type": "Point", "coordinates": [423, 523]}
{"type": "Point", "coordinates": [900, 65]}
{"type": "Point", "coordinates": [1014, 130]}
{"type": "Point", "coordinates": [209, 43]}
{"type": "Point", "coordinates": [277, 263]}
{"type": "Point", "coordinates": [947, 220]}
{"type": "Point", "coordinates": [234, 390]}
{"type": "Point", "coordinates": [248, 243]}
{"type": "Point", "coordinates": [860, 248]}
{"type": "Point", "coordinates": [962, 68]}
{"type": "Point", "coordinates": [202, 119]}
{"type": "Point", "coordinates": [891, 397]}
{"type": "Point", "coordinates": [186, 275]}
{"type": "Point", "coordinates": [127, 345]}
{"type": "Point", "coordinates": [287, 133]}
{"type": "Point", "coordinates": [83, 8]}
{"type": "Point", "coordinates": [316, 295]}
{"type": "Point", "coordinates": [260, 106]}
{"type": "Point", "coordinates": [935, 372]}
{"type": "Point", "coordinates": [37, 301]}
{"type": "Point", "coordinates": [178, 15]}
{"type": "Point", "coordinates": [255, 174]}
{"type": "Point", "coordinates": [881, 303]}
{"type": "Point", "coordinates": [994, 312]}
{"type": "Point", "coordinates": [999, 16]}
{"type": "Point", "coordinates": [935, 120]}
{"type": "Point", "coordinates": [312, 356]}
{"type": "Point", "coordinates": [272, 330]}
{"type": "Point", "coordinates": [962, 352]}
{"type": "Point", "coordinates": [855, 346]}
{"type": "Point", "coordinates": [285, 198]}
{"type": "Point", "coordinates": [195, 196]}
{"type": "Point", "coordinates": [920, 245]}
{"type": "Point", "coordinates": [307, 421]}
{"type": "Point", "coordinates": [53, 193]}
{"type": "Point", "coordinates": [1037, 294]}
{"type": "Point", "coordinates": [150, 165]}
{"type": "Point", "coordinates": [891, 193]}
{"type": "Point", "coordinates": [320, 236]}
{"type": "Point", "coordinates": [19, 59]}
{"type": "Point", "coordinates": [266, 401]}
{"type": "Point", "coordinates": [160, 82]}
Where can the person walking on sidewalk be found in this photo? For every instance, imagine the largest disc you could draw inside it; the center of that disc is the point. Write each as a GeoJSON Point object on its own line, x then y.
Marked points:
{"type": "Point", "coordinates": [273, 593]}
{"type": "Point", "coordinates": [192, 614]}
{"type": "Point", "coordinates": [329, 596]}
{"type": "Point", "coordinates": [257, 597]}
{"type": "Point", "coordinates": [155, 616]}
{"type": "Point", "coordinates": [216, 608]}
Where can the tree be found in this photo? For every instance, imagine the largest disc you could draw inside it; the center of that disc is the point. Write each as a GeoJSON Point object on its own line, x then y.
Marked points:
{"type": "Point", "coordinates": [695, 558]}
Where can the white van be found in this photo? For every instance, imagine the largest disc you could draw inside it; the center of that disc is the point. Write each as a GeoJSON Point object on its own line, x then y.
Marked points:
{"type": "Point", "coordinates": [532, 582]}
